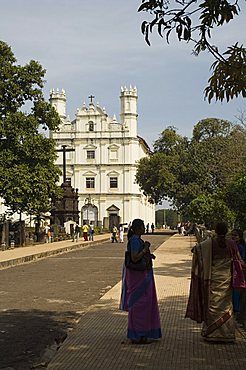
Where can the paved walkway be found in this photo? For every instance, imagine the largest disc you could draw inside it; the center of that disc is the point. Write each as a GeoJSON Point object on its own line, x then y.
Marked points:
{"type": "Point", "coordinates": [16, 256]}
{"type": "Point", "coordinates": [99, 340]}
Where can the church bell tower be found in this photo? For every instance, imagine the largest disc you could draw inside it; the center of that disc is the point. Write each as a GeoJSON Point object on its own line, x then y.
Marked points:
{"type": "Point", "coordinates": [58, 101]}
{"type": "Point", "coordinates": [128, 115]}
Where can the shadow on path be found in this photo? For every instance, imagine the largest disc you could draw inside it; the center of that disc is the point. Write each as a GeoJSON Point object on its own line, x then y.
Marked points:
{"type": "Point", "coordinates": [99, 342]}
{"type": "Point", "coordinates": [25, 336]}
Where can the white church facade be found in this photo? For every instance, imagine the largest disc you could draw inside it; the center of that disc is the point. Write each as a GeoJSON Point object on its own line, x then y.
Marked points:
{"type": "Point", "coordinates": [102, 165]}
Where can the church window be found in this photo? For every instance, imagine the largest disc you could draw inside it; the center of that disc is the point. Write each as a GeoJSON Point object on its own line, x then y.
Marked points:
{"type": "Point", "coordinates": [90, 154]}
{"type": "Point", "coordinates": [113, 154]}
{"type": "Point", "coordinates": [91, 126]}
{"type": "Point", "coordinates": [113, 182]}
{"type": "Point", "coordinates": [90, 183]}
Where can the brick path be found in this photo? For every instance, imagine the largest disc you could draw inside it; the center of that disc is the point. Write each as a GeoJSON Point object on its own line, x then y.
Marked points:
{"type": "Point", "coordinates": [17, 256]}
{"type": "Point", "coordinates": [99, 341]}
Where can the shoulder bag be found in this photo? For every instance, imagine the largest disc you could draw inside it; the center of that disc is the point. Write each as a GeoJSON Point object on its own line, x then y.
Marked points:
{"type": "Point", "coordinates": [140, 265]}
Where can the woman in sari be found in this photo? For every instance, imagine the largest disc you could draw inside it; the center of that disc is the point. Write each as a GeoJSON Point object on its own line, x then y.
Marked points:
{"type": "Point", "coordinates": [239, 295]}
{"type": "Point", "coordinates": [210, 300]}
{"type": "Point", "coordinates": [138, 296]}
{"type": "Point", "coordinates": [237, 236]}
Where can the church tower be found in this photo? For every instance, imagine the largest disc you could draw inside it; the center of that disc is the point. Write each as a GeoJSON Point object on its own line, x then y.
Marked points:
{"type": "Point", "coordinates": [128, 115]}
{"type": "Point", "coordinates": [58, 101]}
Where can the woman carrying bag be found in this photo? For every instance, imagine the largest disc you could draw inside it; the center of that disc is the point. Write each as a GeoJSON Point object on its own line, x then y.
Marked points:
{"type": "Point", "coordinates": [138, 289]}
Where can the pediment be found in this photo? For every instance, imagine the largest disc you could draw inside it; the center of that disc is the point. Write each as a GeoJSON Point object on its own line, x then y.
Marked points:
{"type": "Point", "coordinates": [113, 147]}
{"type": "Point", "coordinates": [113, 174]}
{"type": "Point", "coordinates": [112, 208]}
{"type": "Point", "coordinates": [90, 147]}
{"type": "Point", "coordinates": [89, 174]}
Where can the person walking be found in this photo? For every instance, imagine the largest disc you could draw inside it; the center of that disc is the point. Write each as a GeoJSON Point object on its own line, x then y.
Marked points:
{"type": "Point", "coordinates": [91, 231]}
{"type": "Point", "coordinates": [85, 229]}
{"type": "Point", "coordinates": [121, 230]}
{"type": "Point", "coordinates": [152, 228]}
{"type": "Point", "coordinates": [76, 232]}
{"type": "Point", "coordinates": [182, 229]}
{"type": "Point", "coordinates": [114, 234]}
{"type": "Point", "coordinates": [47, 234]}
{"type": "Point", "coordinates": [210, 298]}
{"type": "Point", "coordinates": [138, 295]}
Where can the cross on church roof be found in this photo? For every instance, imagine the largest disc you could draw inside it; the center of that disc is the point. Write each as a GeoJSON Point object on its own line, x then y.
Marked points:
{"type": "Point", "coordinates": [91, 97]}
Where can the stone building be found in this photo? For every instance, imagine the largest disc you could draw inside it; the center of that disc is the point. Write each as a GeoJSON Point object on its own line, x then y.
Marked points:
{"type": "Point", "coordinates": [103, 164]}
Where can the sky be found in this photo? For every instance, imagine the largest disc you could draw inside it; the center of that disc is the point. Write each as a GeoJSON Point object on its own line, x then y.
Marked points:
{"type": "Point", "coordinates": [95, 47]}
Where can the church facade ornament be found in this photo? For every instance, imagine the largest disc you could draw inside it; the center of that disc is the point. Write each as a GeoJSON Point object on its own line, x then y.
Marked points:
{"type": "Point", "coordinates": [103, 164]}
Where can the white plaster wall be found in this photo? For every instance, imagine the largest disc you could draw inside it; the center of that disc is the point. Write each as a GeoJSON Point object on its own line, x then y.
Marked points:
{"type": "Point", "coordinates": [127, 197]}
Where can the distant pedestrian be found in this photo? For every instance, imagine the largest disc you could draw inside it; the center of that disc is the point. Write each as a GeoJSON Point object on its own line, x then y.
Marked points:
{"type": "Point", "coordinates": [47, 234]}
{"type": "Point", "coordinates": [147, 228]}
{"type": "Point", "coordinates": [121, 233]}
{"type": "Point", "coordinates": [91, 231]}
{"type": "Point", "coordinates": [152, 228]}
{"type": "Point", "coordinates": [85, 229]}
{"type": "Point", "coordinates": [182, 229]}
{"type": "Point", "coordinates": [72, 231]}
{"type": "Point", "coordinates": [76, 232]}
{"type": "Point", "coordinates": [114, 234]}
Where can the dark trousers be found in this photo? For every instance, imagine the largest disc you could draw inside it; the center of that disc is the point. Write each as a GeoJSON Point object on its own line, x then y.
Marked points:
{"type": "Point", "coordinates": [114, 239]}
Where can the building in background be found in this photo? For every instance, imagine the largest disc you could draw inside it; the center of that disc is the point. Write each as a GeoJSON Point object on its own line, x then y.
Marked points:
{"type": "Point", "coordinates": [103, 164]}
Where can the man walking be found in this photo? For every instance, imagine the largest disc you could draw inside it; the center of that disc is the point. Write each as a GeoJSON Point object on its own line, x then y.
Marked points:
{"type": "Point", "coordinates": [85, 229]}
{"type": "Point", "coordinates": [77, 232]}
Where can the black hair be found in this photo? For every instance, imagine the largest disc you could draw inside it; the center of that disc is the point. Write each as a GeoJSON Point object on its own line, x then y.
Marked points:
{"type": "Point", "coordinates": [136, 225]}
{"type": "Point", "coordinates": [221, 230]}
{"type": "Point", "coordinates": [240, 234]}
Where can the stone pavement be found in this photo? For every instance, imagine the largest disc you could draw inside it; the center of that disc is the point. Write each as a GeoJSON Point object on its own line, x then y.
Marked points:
{"type": "Point", "coordinates": [17, 256]}
{"type": "Point", "coordinates": [99, 340]}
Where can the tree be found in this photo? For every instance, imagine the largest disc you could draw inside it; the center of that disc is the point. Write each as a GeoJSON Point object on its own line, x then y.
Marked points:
{"type": "Point", "coordinates": [193, 22]}
{"type": "Point", "coordinates": [28, 173]}
{"type": "Point", "coordinates": [236, 198]}
{"type": "Point", "coordinates": [169, 217]}
{"type": "Point", "coordinates": [154, 176]}
{"type": "Point", "coordinates": [157, 175]}
{"type": "Point", "coordinates": [189, 168]}
{"type": "Point", "coordinates": [211, 208]}
{"type": "Point", "coordinates": [217, 150]}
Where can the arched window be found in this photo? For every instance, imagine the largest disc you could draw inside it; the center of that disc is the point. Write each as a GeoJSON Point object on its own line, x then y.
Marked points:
{"type": "Point", "coordinates": [91, 126]}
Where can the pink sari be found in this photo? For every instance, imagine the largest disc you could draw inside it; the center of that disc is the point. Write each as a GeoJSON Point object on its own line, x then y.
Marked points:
{"type": "Point", "coordinates": [140, 301]}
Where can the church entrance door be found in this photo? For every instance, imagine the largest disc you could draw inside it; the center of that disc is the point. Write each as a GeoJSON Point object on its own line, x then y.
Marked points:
{"type": "Point", "coordinates": [114, 220]}
{"type": "Point", "coordinates": [89, 214]}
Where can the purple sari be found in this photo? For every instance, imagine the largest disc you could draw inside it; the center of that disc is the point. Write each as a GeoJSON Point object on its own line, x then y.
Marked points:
{"type": "Point", "coordinates": [139, 300]}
